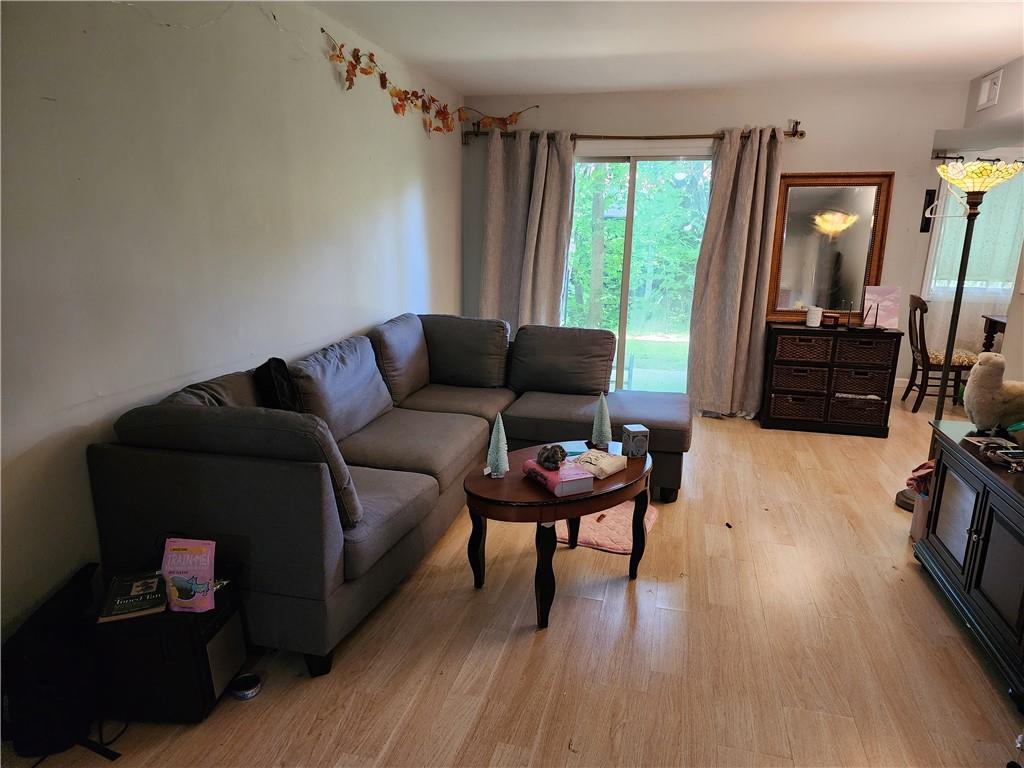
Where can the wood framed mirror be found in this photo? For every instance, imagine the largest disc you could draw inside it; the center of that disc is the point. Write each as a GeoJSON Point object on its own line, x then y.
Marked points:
{"type": "Point", "coordinates": [829, 242]}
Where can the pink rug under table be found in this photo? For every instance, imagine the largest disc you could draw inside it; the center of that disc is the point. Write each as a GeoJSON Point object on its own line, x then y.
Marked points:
{"type": "Point", "coordinates": [609, 531]}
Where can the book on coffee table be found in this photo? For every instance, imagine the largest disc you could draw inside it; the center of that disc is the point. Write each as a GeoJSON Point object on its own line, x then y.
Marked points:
{"type": "Point", "coordinates": [600, 464]}
{"type": "Point", "coordinates": [567, 480]}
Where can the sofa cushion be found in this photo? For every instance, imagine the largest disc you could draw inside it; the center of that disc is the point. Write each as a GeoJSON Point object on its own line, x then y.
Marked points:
{"type": "Point", "coordinates": [466, 352]}
{"type": "Point", "coordinates": [545, 417]}
{"type": "Point", "coordinates": [342, 385]}
{"type": "Point", "coordinates": [393, 504]}
{"type": "Point", "coordinates": [401, 352]}
{"type": "Point", "coordinates": [485, 402]}
{"type": "Point", "coordinates": [571, 360]}
{"type": "Point", "coordinates": [259, 432]}
{"type": "Point", "coordinates": [436, 444]}
{"type": "Point", "coordinates": [231, 389]}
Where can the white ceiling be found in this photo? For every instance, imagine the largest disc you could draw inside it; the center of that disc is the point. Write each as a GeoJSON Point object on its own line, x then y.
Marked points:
{"type": "Point", "coordinates": [485, 48]}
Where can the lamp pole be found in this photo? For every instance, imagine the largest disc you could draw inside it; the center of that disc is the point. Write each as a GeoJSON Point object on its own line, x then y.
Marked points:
{"type": "Point", "coordinates": [973, 204]}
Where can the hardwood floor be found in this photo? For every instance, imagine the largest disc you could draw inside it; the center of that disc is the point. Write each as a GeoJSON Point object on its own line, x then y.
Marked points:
{"type": "Point", "coordinates": [804, 635]}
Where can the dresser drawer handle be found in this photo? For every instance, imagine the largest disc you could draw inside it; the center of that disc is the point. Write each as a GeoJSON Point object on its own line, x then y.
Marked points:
{"type": "Point", "coordinates": [800, 340]}
{"type": "Point", "coordinates": [860, 374]}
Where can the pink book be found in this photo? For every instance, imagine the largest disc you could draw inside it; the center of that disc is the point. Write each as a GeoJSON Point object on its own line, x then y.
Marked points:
{"type": "Point", "coordinates": [564, 481]}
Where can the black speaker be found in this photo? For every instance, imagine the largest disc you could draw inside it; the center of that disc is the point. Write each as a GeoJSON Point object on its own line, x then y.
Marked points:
{"type": "Point", "coordinates": [49, 671]}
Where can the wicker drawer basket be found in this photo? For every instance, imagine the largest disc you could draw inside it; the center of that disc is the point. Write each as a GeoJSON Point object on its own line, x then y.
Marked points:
{"type": "Point", "coordinates": [852, 381]}
{"type": "Point", "coordinates": [802, 407]}
{"type": "Point", "coordinates": [868, 351]}
{"type": "Point", "coordinates": [849, 410]}
{"type": "Point", "coordinates": [804, 349]}
{"type": "Point", "coordinates": [800, 379]}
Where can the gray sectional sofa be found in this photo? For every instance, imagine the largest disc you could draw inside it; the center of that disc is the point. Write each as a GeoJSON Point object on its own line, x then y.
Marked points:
{"type": "Point", "coordinates": [323, 509]}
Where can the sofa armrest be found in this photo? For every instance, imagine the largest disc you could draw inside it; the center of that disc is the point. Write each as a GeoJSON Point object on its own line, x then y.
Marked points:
{"type": "Point", "coordinates": [275, 520]}
{"type": "Point", "coordinates": [245, 431]}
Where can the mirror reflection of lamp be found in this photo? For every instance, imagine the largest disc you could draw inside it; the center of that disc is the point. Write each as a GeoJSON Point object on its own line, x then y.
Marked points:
{"type": "Point", "coordinates": [834, 223]}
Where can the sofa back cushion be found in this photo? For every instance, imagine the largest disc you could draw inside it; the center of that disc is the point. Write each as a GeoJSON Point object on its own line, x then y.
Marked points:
{"type": "Point", "coordinates": [401, 352]}
{"type": "Point", "coordinates": [572, 360]}
{"type": "Point", "coordinates": [264, 433]}
{"type": "Point", "coordinates": [230, 390]}
{"type": "Point", "coordinates": [342, 385]}
{"type": "Point", "coordinates": [466, 352]}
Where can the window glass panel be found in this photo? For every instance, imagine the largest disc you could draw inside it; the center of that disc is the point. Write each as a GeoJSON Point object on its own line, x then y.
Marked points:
{"type": "Point", "coordinates": [671, 208]}
{"type": "Point", "coordinates": [594, 271]}
{"type": "Point", "coordinates": [995, 246]}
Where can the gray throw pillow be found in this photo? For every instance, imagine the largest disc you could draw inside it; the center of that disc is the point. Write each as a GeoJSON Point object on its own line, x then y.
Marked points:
{"type": "Point", "coordinates": [401, 352]}
{"type": "Point", "coordinates": [342, 385]}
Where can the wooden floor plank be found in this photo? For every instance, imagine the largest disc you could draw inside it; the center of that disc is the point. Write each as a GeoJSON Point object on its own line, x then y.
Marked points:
{"type": "Point", "coordinates": [803, 633]}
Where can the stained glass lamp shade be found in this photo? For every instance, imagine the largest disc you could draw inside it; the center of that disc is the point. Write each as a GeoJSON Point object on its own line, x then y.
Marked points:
{"type": "Point", "coordinates": [978, 175]}
{"type": "Point", "coordinates": [975, 178]}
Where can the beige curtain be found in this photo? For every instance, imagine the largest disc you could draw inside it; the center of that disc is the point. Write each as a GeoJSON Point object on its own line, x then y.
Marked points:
{"type": "Point", "coordinates": [527, 220]}
{"type": "Point", "coordinates": [730, 292]}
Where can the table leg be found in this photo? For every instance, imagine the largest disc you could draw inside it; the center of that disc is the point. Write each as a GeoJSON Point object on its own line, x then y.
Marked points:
{"type": "Point", "coordinates": [544, 577]}
{"type": "Point", "coordinates": [574, 531]}
{"type": "Point", "coordinates": [990, 336]}
{"type": "Point", "coordinates": [639, 532]}
{"type": "Point", "coordinates": [475, 549]}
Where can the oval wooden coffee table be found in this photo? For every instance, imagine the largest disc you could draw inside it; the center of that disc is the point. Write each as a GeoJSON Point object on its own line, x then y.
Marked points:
{"type": "Point", "coordinates": [516, 498]}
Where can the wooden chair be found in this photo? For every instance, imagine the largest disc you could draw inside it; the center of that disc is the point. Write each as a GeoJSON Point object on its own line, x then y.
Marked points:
{"type": "Point", "coordinates": [929, 363]}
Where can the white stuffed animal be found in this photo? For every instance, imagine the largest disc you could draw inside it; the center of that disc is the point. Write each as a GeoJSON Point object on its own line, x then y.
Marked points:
{"type": "Point", "coordinates": [989, 401]}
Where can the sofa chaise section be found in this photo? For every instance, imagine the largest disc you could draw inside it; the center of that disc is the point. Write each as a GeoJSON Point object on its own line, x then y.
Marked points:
{"type": "Point", "coordinates": [561, 371]}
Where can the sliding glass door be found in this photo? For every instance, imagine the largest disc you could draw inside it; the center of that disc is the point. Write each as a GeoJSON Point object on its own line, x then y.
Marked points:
{"type": "Point", "coordinates": [637, 228]}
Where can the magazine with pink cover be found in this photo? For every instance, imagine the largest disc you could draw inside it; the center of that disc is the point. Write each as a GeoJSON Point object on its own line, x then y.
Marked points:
{"type": "Point", "coordinates": [188, 573]}
{"type": "Point", "coordinates": [887, 301]}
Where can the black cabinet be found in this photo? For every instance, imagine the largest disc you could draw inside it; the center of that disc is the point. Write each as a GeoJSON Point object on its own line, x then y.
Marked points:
{"type": "Point", "coordinates": [951, 523]}
{"type": "Point", "coordinates": [974, 547]}
{"type": "Point", "coordinates": [829, 379]}
{"type": "Point", "coordinates": [997, 583]}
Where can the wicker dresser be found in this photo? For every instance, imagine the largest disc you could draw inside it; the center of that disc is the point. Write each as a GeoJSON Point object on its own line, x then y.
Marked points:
{"type": "Point", "coordinates": [829, 379]}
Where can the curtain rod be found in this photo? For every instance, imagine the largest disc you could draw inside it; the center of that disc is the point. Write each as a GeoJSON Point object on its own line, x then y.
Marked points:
{"type": "Point", "coordinates": [795, 132]}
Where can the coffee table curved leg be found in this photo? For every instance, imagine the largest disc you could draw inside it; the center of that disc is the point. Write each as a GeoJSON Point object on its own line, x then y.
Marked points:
{"type": "Point", "coordinates": [475, 549]}
{"type": "Point", "coordinates": [639, 532]}
{"type": "Point", "coordinates": [574, 531]}
{"type": "Point", "coordinates": [544, 577]}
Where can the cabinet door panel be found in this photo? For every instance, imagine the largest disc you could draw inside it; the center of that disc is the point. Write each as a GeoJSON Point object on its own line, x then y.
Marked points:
{"type": "Point", "coordinates": [997, 586]}
{"type": "Point", "coordinates": [953, 514]}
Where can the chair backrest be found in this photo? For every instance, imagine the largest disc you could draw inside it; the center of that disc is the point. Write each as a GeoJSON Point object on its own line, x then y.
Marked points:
{"type": "Point", "coordinates": [918, 345]}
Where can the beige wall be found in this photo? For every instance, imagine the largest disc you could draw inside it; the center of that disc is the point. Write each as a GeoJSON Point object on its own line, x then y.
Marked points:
{"type": "Point", "coordinates": [852, 125]}
{"type": "Point", "coordinates": [177, 204]}
{"type": "Point", "coordinates": [1010, 103]}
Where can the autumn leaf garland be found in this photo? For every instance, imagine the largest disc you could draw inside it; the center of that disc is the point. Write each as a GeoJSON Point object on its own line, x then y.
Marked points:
{"type": "Point", "coordinates": [437, 117]}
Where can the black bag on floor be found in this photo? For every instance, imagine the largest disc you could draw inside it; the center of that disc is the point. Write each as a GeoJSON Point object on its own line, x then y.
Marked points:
{"type": "Point", "coordinates": [49, 672]}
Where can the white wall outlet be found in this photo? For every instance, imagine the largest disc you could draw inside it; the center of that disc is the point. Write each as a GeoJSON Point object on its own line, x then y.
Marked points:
{"type": "Point", "coordinates": [988, 93]}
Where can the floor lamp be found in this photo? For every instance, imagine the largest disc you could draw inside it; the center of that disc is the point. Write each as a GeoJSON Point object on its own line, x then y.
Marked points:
{"type": "Point", "coordinates": [974, 178]}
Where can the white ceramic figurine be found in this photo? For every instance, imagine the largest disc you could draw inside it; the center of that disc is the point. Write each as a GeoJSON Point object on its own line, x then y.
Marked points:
{"type": "Point", "coordinates": [989, 401]}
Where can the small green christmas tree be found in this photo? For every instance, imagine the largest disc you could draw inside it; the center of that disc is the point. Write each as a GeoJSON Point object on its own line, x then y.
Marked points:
{"type": "Point", "coordinates": [497, 454]}
{"type": "Point", "coordinates": [602, 433]}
